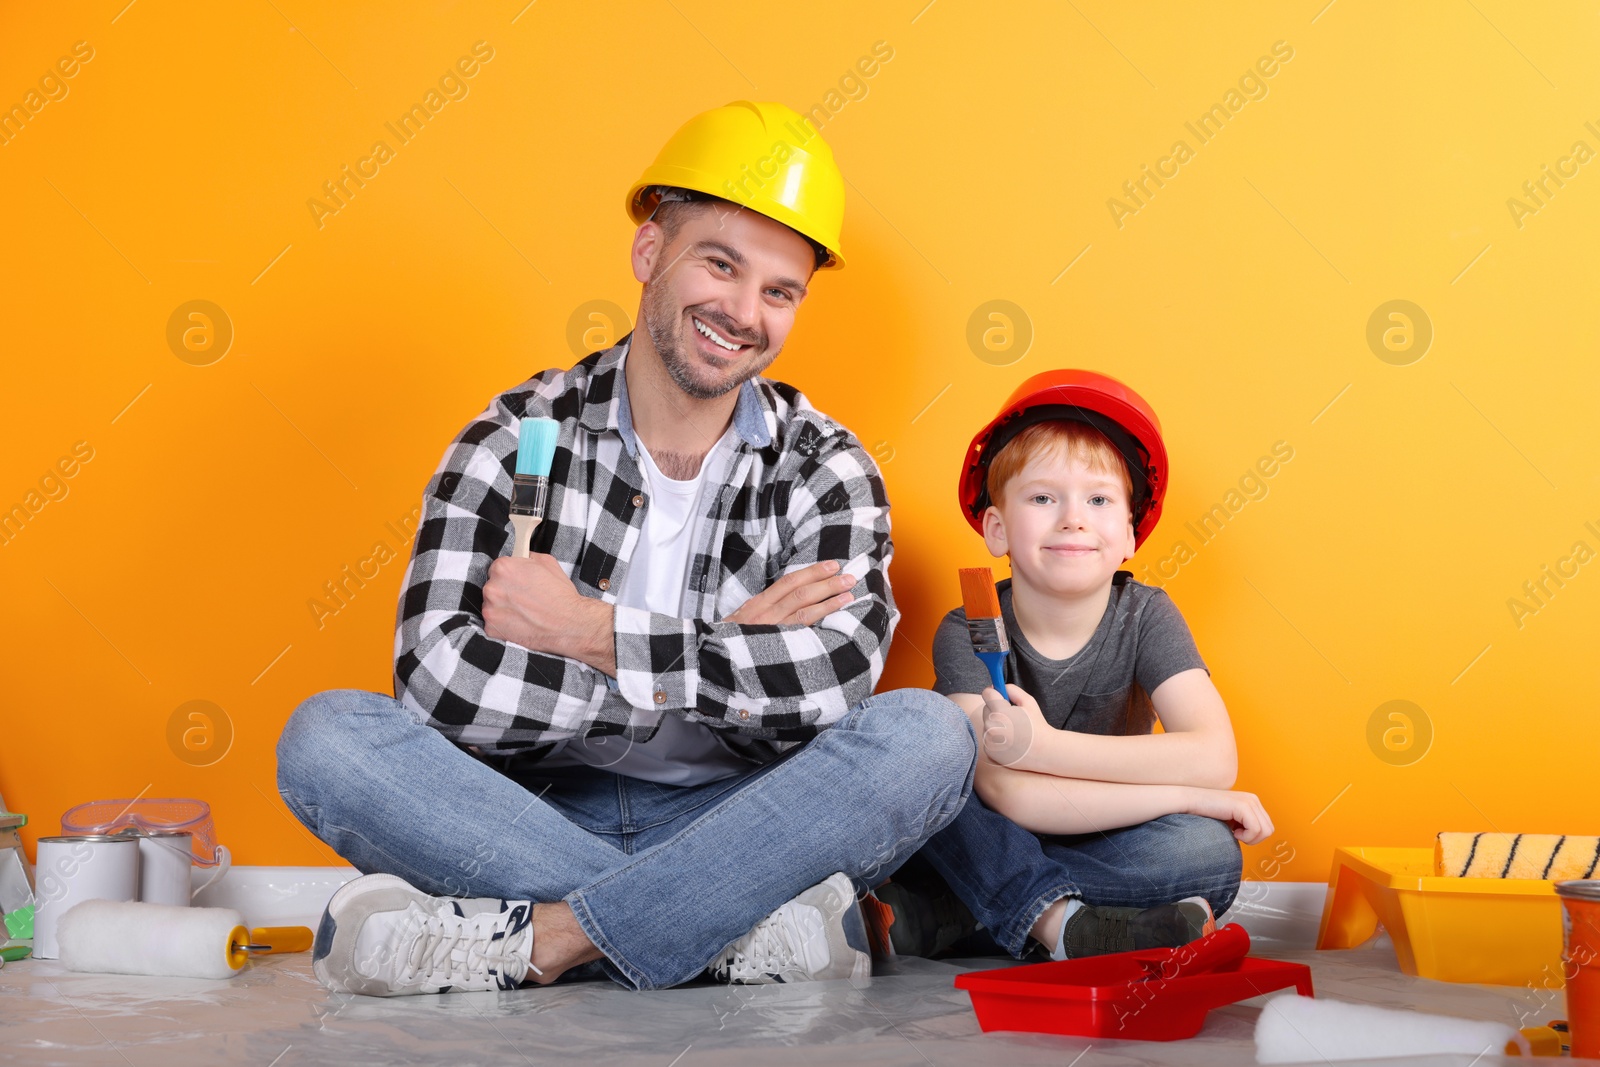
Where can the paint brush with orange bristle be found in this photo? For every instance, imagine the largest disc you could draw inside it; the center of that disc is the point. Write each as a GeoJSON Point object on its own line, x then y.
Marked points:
{"type": "Point", "coordinates": [984, 624]}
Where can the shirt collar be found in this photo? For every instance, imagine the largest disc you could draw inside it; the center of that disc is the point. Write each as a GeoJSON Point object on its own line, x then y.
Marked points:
{"type": "Point", "coordinates": [606, 407]}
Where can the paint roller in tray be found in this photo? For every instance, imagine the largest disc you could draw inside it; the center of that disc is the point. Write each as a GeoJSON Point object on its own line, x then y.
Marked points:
{"type": "Point", "coordinates": [128, 937]}
{"type": "Point", "coordinates": [1554, 857]}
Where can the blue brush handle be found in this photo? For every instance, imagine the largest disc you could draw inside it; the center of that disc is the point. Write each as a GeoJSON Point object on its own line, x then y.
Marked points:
{"type": "Point", "coordinates": [995, 661]}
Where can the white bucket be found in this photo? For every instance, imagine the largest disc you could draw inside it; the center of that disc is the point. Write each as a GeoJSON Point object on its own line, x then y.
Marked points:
{"type": "Point", "coordinates": [164, 862]}
{"type": "Point", "coordinates": [74, 869]}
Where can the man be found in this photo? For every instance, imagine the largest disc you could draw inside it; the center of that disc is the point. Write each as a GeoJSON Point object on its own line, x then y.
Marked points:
{"type": "Point", "coordinates": [652, 745]}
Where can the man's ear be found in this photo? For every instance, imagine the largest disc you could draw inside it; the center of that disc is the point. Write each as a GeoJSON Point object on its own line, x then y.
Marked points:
{"type": "Point", "coordinates": [649, 240]}
{"type": "Point", "coordinates": [994, 532]}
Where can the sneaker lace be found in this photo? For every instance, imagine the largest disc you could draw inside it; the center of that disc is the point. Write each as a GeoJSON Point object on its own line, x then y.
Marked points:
{"type": "Point", "coordinates": [450, 950]}
{"type": "Point", "coordinates": [1108, 931]}
{"type": "Point", "coordinates": [1111, 931]}
{"type": "Point", "coordinates": [771, 948]}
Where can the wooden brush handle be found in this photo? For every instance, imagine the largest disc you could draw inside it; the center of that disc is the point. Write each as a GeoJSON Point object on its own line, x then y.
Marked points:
{"type": "Point", "coordinates": [522, 527]}
{"type": "Point", "coordinates": [522, 535]}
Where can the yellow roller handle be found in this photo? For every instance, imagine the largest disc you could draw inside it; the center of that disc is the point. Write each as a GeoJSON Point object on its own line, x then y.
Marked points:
{"type": "Point", "coordinates": [276, 939]}
{"type": "Point", "coordinates": [238, 942]}
{"type": "Point", "coordinates": [1543, 1040]}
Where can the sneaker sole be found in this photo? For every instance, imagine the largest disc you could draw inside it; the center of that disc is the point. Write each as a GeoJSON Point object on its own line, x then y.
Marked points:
{"type": "Point", "coordinates": [1210, 926]}
{"type": "Point", "coordinates": [862, 971]}
{"type": "Point", "coordinates": [880, 920]}
{"type": "Point", "coordinates": [332, 933]}
{"type": "Point", "coordinates": [852, 921]}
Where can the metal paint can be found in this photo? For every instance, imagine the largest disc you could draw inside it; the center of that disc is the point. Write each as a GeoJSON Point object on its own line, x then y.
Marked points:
{"type": "Point", "coordinates": [165, 860]}
{"type": "Point", "coordinates": [1580, 918]}
{"type": "Point", "coordinates": [74, 869]}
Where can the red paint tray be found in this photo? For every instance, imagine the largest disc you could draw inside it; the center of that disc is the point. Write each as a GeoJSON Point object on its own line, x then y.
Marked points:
{"type": "Point", "coordinates": [1149, 995]}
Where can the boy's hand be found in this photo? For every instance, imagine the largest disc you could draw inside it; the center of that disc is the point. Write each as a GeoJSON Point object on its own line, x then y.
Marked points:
{"type": "Point", "coordinates": [1010, 729]}
{"type": "Point", "coordinates": [1243, 811]}
{"type": "Point", "coordinates": [806, 596]}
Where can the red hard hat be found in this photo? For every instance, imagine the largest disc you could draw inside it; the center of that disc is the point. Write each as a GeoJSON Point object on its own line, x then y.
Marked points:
{"type": "Point", "coordinates": [1085, 396]}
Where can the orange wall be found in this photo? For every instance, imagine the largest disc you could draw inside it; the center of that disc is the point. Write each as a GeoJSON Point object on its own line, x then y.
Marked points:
{"type": "Point", "coordinates": [1381, 564]}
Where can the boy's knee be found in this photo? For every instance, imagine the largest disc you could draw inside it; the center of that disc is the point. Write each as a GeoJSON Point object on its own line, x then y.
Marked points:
{"type": "Point", "coordinates": [1207, 843]}
{"type": "Point", "coordinates": [1209, 856]}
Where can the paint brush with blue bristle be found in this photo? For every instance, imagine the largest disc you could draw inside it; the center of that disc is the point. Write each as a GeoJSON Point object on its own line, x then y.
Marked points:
{"type": "Point", "coordinates": [984, 623]}
{"type": "Point", "coordinates": [530, 486]}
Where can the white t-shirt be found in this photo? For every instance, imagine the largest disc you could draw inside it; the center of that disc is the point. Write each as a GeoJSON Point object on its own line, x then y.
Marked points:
{"type": "Point", "coordinates": [680, 752]}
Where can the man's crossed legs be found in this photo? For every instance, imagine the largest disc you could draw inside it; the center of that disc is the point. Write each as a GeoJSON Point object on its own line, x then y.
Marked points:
{"type": "Point", "coordinates": [653, 881]}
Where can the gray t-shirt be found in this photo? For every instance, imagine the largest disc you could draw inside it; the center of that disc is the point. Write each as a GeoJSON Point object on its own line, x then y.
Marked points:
{"type": "Point", "coordinates": [1104, 687]}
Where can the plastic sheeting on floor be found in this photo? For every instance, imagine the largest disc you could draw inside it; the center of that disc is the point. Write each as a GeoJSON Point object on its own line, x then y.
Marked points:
{"type": "Point", "coordinates": [275, 1014]}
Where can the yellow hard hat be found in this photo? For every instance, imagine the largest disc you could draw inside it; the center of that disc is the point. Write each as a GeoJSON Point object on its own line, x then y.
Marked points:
{"type": "Point", "coordinates": [762, 156]}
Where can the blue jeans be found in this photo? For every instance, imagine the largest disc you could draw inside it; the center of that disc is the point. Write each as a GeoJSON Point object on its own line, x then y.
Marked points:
{"type": "Point", "coordinates": [1007, 876]}
{"type": "Point", "coordinates": [661, 878]}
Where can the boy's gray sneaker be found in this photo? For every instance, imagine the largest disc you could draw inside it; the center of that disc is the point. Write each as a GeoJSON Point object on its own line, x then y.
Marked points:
{"type": "Point", "coordinates": [380, 936]}
{"type": "Point", "coordinates": [925, 923]}
{"type": "Point", "coordinates": [819, 934]}
{"type": "Point", "coordinates": [1097, 931]}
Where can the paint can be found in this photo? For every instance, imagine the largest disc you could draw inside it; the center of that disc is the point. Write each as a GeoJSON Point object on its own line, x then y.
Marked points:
{"type": "Point", "coordinates": [165, 859]}
{"type": "Point", "coordinates": [1580, 958]}
{"type": "Point", "coordinates": [74, 869]}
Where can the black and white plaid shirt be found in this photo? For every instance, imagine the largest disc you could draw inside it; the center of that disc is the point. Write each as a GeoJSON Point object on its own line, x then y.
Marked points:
{"type": "Point", "coordinates": [799, 489]}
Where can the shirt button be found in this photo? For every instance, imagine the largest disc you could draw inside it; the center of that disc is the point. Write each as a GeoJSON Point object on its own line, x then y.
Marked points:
{"type": "Point", "coordinates": [638, 500]}
{"type": "Point", "coordinates": [661, 696]}
{"type": "Point", "coordinates": [605, 583]}
{"type": "Point", "coordinates": [744, 713]}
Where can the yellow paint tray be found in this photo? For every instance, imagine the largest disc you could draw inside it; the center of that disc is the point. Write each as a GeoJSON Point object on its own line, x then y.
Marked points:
{"type": "Point", "coordinates": [1497, 931]}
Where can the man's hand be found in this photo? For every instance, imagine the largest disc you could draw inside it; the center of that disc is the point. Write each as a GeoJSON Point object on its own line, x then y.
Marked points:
{"type": "Point", "coordinates": [1012, 729]}
{"type": "Point", "coordinates": [805, 596]}
{"type": "Point", "coordinates": [533, 603]}
{"type": "Point", "coordinates": [1242, 811]}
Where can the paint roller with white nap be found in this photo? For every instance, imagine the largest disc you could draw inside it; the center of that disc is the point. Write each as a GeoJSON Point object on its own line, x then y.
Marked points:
{"type": "Point", "coordinates": [1296, 1029]}
{"type": "Point", "coordinates": [129, 937]}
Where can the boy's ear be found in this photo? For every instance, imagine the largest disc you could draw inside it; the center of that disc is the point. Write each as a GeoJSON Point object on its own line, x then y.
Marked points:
{"type": "Point", "coordinates": [994, 532]}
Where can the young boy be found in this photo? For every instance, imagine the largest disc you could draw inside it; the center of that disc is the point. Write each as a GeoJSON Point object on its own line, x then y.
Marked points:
{"type": "Point", "coordinates": [1087, 832]}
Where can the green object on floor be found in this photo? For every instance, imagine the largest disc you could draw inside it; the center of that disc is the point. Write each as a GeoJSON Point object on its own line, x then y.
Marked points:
{"type": "Point", "coordinates": [19, 923]}
{"type": "Point", "coordinates": [15, 953]}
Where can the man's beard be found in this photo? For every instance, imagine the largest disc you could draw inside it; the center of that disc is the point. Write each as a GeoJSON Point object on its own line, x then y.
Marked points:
{"type": "Point", "coordinates": [662, 321]}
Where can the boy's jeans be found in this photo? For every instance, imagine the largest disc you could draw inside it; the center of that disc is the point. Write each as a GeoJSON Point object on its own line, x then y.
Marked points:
{"type": "Point", "coordinates": [1008, 876]}
{"type": "Point", "coordinates": [661, 878]}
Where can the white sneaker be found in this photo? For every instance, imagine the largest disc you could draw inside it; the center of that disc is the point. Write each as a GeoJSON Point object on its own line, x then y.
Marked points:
{"type": "Point", "coordinates": [819, 934]}
{"type": "Point", "coordinates": [382, 937]}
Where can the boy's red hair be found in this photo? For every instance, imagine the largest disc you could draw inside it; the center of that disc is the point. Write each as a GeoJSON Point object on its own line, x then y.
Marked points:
{"type": "Point", "coordinates": [1065, 439]}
